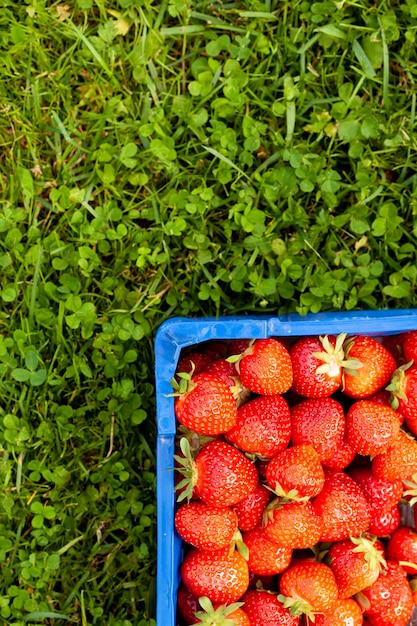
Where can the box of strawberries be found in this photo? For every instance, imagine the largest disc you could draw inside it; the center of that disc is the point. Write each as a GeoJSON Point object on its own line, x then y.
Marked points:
{"type": "Point", "coordinates": [287, 469]}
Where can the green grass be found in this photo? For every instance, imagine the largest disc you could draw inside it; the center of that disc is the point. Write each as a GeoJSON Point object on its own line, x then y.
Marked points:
{"type": "Point", "coordinates": [172, 158]}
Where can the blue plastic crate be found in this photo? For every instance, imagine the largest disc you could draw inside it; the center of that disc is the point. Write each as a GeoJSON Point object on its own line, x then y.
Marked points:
{"type": "Point", "coordinates": [179, 333]}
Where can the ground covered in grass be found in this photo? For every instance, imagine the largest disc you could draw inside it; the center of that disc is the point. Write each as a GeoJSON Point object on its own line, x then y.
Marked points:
{"type": "Point", "coordinates": [172, 158]}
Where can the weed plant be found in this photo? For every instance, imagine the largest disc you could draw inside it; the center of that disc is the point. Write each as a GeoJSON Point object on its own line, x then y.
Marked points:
{"type": "Point", "coordinates": [169, 158]}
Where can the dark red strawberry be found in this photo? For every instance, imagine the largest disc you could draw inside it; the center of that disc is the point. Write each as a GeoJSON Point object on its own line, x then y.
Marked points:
{"type": "Point", "coordinates": [220, 474]}
{"type": "Point", "coordinates": [266, 557]}
{"type": "Point", "coordinates": [206, 406]}
{"type": "Point", "coordinates": [409, 346]}
{"type": "Point", "coordinates": [380, 494]}
{"type": "Point", "coordinates": [206, 526]}
{"type": "Point", "coordinates": [378, 365]}
{"type": "Point", "coordinates": [317, 365]}
{"type": "Point", "coordinates": [320, 423]}
{"type": "Point", "coordinates": [221, 575]}
{"type": "Point", "coordinates": [371, 428]}
{"type": "Point", "coordinates": [296, 470]}
{"type": "Point", "coordinates": [394, 345]}
{"type": "Point", "coordinates": [250, 510]}
{"type": "Point", "coordinates": [342, 506]}
{"type": "Point", "coordinates": [384, 523]}
{"type": "Point", "coordinates": [192, 363]}
{"type": "Point", "coordinates": [356, 563]}
{"type": "Point", "coordinates": [265, 367]}
{"type": "Point", "coordinates": [265, 609]}
{"type": "Point", "coordinates": [263, 426]}
{"type": "Point", "coordinates": [402, 548]}
{"type": "Point", "coordinates": [187, 605]}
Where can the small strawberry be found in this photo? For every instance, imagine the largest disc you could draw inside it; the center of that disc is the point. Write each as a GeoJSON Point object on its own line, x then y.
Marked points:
{"type": "Point", "coordinates": [263, 426]}
{"type": "Point", "coordinates": [371, 428]}
{"type": "Point", "coordinates": [342, 506]}
{"type": "Point", "coordinates": [384, 523]}
{"type": "Point", "coordinates": [266, 557]}
{"type": "Point", "coordinates": [265, 367]}
{"type": "Point", "coordinates": [187, 604]}
{"type": "Point", "coordinates": [317, 365]}
{"type": "Point", "coordinates": [377, 367]}
{"type": "Point", "coordinates": [389, 600]}
{"type": "Point", "coordinates": [220, 474]}
{"type": "Point", "coordinates": [345, 611]}
{"type": "Point", "coordinates": [402, 548]}
{"type": "Point", "coordinates": [221, 575]}
{"type": "Point", "coordinates": [250, 510]}
{"type": "Point", "coordinates": [205, 405]}
{"type": "Point", "coordinates": [265, 609]}
{"type": "Point", "coordinates": [399, 462]}
{"type": "Point", "coordinates": [223, 615]}
{"type": "Point", "coordinates": [293, 524]}
{"type": "Point", "coordinates": [356, 563]}
{"type": "Point", "coordinates": [192, 363]}
{"type": "Point", "coordinates": [320, 423]}
{"type": "Point", "coordinates": [206, 526]}
{"type": "Point", "coordinates": [296, 469]}
{"type": "Point", "coordinates": [308, 588]}
{"type": "Point", "coordinates": [394, 345]}
{"type": "Point", "coordinates": [380, 494]}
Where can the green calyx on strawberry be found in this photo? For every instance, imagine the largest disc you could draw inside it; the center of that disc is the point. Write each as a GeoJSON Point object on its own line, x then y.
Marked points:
{"type": "Point", "coordinates": [219, 616]}
{"type": "Point", "coordinates": [398, 385]}
{"type": "Point", "coordinates": [186, 467]}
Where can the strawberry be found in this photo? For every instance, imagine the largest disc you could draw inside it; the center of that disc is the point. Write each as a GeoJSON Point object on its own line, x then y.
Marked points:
{"type": "Point", "coordinates": [317, 365]}
{"type": "Point", "coordinates": [377, 367]}
{"type": "Point", "coordinates": [265, 609]}
{"type": "Point", "coordinates": [389, 600]}
{"type": "Point", "coordinates": [320, 423]}
{"type": "Point", "coordinates": [263, 426]}
{"type": "Point", "coordinates": [342, 506]}
{"type": "Point", "coordinates": [308, 588]}
{"type": "Point", "coordinates": [265, 367]}
{"type": "Point", "coordinates": [380, 494]}
{"type": "Point", "coordinates": [266, 557]}
{"type": "Point", "coordinates": [206, 405]}
{"type": "Point", "coordinates": [221, 575]}
{"type": "Point", "coordinates": [402, 548]}
{"type": "Point", "coordinates": [223, 615]}
{"type": "Point", "coordinates": [409, 346]}
{"type": "Point", "coordinates": [394, 345]}
{"type": "Point", "coordinates": [293, 524]}
{"type": "Point", "coordinates": [220, 474]}
{"type": "Point", "coordinates": [343, 457]}
{"type": "Point", "coordinates": [345, 611]}
{"type": "Point", "coordinates": [249, 511]}
{"type": "Point", "coordinates": [399, 462]}
{"type": "Point", "coordinates": [383, 523]}
{"type": "Point", "coordinates": [403, 389]}
{"type": "Point", "coordinates": [206, 526]}
{"type": "Point", "coordinates": [371, 428]}
{"type": "Point", "coordinates": [192, 363]}
{"type": "Point", "coordinates": [356, 563]}
{"type": "Point", "coordinates": [226, 370]}
{"type": "Point", "coordinates": [187, 604]}
{"type": "Point", "coordinates": [296, 469]}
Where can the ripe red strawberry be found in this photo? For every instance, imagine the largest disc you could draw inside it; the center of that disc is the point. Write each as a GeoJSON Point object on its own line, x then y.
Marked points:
{"type": "Point", "coordinates": [296, 469]}
{"type": "Point", "coordinates": [389, 600]}
{"type": "Point", "coordinates": [343, 508]}
{"type": "Point", "coordinates": [371, 428]}
{"type": "Point", "coordinates": [356, 563]}
{"type": "Point", "coordinates": [266, 557]}
{"type": "Point", "coordinates": [380, 494]}
{"type": "Point", "coordinates": [402, 548]}
{"type": "Point", "coordinates": [320, 423]}
{"type": "Point", "coordinates": [403, 389]}
{"type": "Point", "coordinates": [394, 345]}
{"type": "Point", "coordinates": [206, 526]}
{"type": "Point", "coordinates": [250, 510]}
{"type": "Point", "coordinates": [377, 367]}
{"type": "Point", "coordinates": [192, 363]}
{"type": "Point", "coordinates": [383, 523]}
{"type": "Point", "coordinates": [343, 457]}
{"type": "Point", "coordinates": [265, 367]}
{"type": "Point", "coordinates": [187, 604]}
{"type": "Point", "coordinates": [222, 615]}
{"type": "Point", "coordinates": [308, 588]}
{"type": "Point", "coordinates": [345, 611]}
{"type": "Point", "coordinates": [226, 370]}
{"type": "Point", "coordinates": [207, 405]}
{"type": "Point", "coordinates": [265, 609]}
{"type": "Point", "coordinates": [293, 525]}
{"type": "Point", "coordinates": [263, 426]}
{"type": "Point", "coordinates": [317, 365]}
{"type": "Point", "coordinates": [409, 346]}
{"type": "Point", "coordinates": [399, 462]}
{"type": "Point", "coordinates": [220, 474]}
{"type": "Point", "coordinates": [221, 575]}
